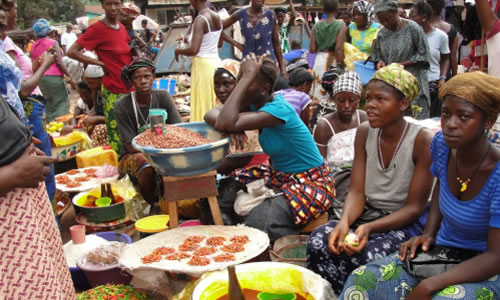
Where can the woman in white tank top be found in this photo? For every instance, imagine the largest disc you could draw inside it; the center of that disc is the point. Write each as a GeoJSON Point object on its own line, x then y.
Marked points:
{"type": "Point", "coordinates": [206, 32]}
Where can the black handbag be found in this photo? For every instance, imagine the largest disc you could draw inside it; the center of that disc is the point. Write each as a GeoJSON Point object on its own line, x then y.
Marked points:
{"type": "Point", "coordinates": [436, 260]}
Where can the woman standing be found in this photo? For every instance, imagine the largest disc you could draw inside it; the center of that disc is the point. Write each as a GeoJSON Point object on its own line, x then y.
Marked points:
{"type": "Point", "coordinates": [52, 83]}
{"type": "Point", "coordinates": [110, 41]}
{"type": "Point", "coordinates": [390, 183]}
{"type": "Point", "coordinates": [421, 13]}
{"type": "Point", "coordinates": [403, 41]}
{"type": "Point", "coordinates": [449, 29]}
{"type": "Point", "coordinates": [363, 31]}
{"type": "Point", "coordinates": [327, 43]}
{"type": "Point", "coordinates": [464, 215]}
{"type": "Point", "coordinates": [206, 32]}
{"type": "Point", "coordinates": [260, 32]}
{"type": "Point", "coordinates": [33, 263]}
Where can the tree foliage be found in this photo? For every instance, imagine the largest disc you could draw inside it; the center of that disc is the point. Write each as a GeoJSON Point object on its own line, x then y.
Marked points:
{"type": "Point", "coordinates": [56, 10]}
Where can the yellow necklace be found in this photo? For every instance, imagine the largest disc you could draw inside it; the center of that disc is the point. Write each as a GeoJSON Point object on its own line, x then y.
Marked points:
{"type": "Point", "coordinates": [464, 184]}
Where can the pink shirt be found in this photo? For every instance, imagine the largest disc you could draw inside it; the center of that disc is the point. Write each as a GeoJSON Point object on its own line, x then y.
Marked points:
{"type": "Point", "coordinates": [38, 48]}
{"type": "Point", "coordinates": [23, 60]}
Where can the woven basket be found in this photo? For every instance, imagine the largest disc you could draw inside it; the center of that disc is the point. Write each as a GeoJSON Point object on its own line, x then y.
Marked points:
{"type": "Point", "coordinates": [290, 249]}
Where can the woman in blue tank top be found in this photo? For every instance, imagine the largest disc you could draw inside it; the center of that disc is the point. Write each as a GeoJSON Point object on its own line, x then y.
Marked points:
{"type": "Point", "coordinates": [464, 217]}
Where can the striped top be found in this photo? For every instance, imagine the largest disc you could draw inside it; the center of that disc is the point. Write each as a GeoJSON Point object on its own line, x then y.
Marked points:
{"type": "Point", "coordinates": [465, 223]}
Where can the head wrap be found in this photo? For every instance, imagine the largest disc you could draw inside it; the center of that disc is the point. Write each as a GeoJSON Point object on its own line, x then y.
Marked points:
{"type": "Point", "coordinates": [231, 66]}
{"type": "Point", "coordinates": [299, 63]}
{"type": "Point", "coordinates": [329, 78]}
{"type": "Point", "coordinates": [299, 76]}
{"type": "Point", "coordinates": [130, 9]}
{"type": "Point", "coordinates": [136, 64]}
{"type": "Point", "coordinates": [477, 87]}
{"type": "Point", "coordinates": [396, 76]}
{"type": "Point", "coordinates": [365, 8]}
{"type": "Point", "coordinates": [348, 82]}
{"type": "Point", "coordinates": [41, 27]}
{"type": "Point", "coordinates": [385, 5]}
{"type": "Point", "coordinates": [93, 71]}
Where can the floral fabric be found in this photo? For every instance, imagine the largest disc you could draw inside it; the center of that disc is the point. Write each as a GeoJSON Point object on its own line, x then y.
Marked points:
{"type": "Point", "coordinates": [108, 101]}
{"type": "Point", "coordinates": [257, 39]}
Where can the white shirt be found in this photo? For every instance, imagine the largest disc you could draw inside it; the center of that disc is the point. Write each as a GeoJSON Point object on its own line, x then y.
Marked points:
{"type": "Point", "coordinates": [493, 43]}
{"type": "Point", "coordinates": [438, 44]}
{"type": "Point", "coordinates": [67, 39]}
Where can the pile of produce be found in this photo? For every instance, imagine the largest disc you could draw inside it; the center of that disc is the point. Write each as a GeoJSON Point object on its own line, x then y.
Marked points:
{"type": "Point", "coordinates": [111, 291]}
{"type": "Point", "coordinates": [105, 255]}
{"type": "Point", "coordinates": [175, 137]}
{"type": "Point", "coordinates": [54, 127]}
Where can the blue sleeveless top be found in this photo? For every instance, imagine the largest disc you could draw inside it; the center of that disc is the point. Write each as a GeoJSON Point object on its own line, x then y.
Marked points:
{"type": "Point", "coordinates": [258, 39]}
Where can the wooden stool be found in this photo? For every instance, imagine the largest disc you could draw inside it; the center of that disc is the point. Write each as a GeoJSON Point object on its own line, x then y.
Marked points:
{"type": "Point", "coordinates": [184, 188]}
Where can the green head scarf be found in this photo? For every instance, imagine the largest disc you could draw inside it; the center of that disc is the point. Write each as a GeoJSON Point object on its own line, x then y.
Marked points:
{"type": "Point", "coordinates": [396, 76]}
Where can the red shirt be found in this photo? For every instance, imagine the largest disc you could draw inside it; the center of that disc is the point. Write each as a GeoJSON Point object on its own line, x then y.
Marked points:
{"type": "Point", "coordinates": [113, 50]}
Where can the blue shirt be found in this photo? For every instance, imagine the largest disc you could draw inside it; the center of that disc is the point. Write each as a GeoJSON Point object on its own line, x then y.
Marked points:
{"type": "Point", "coordinates": [290, 145]}
{"type": "Point", "coordinates": [465, 223]}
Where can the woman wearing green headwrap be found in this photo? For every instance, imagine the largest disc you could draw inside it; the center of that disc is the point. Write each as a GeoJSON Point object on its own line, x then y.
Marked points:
{"type": "Point", "coordinates": [390, 183]}
{"type": "Point", "coordinates": [403, 41]}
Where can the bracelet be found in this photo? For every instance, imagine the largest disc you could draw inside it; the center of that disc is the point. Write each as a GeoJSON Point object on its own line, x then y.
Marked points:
{"type": "Point", "coordinates": [442, 77]}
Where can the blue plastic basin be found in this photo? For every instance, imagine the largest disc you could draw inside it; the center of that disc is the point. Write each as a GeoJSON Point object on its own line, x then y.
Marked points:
{"type": "Point", "coordinates": [191, 160]}
{"type": "Point", "coordinates": [365, 71]}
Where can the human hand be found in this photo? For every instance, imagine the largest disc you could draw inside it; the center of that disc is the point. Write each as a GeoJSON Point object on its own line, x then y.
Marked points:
{"type": "Point", "coordinates": [336, 238]}
{"type": "Point", "coordinates": [47, 58]}
{"type": "Point", "coordinates": [67, 129]}
{"type": "Point", "coordinates": [31, 169]}
{"type": "Point", "coordinates": [238, 140]}
{"type": "Point", "coordinates": [250, 65]}
{"type": "Point", "coordinates": [420, 292]}
{"type": "Point", "coordinates": [441, 82]}
{"type": "Point", "coordinates": [239, 46]}
{"type": "Point", "coordinates": [425, 241]}
{"type": "Point", "coordinates": [362, 233]}
{"type": "Point", "coordinates": [381, 64]}
{"type": "Point", "coordinates": [90, 120]}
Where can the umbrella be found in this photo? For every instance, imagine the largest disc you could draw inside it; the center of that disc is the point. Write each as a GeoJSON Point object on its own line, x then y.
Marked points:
{"type": "Point", "coordinates": [151, 23]}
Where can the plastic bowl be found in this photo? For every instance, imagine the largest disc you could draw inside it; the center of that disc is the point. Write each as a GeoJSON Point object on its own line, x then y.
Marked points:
{"type": "Point", "coordinates": [191, 160]}
{"type": "Point", "coordinates": [365, 71]}
{"type": "Point", "coordinates": [100, 214]}
{"type": "Point", "coordinates": [78, 276]}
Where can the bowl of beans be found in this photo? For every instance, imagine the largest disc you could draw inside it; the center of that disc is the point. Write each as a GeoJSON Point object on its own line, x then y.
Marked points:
{"type": "Point", "coordinates": [186, 149]}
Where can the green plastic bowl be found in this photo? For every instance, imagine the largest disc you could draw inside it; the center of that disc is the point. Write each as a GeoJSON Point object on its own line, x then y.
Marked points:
{"type": "Point", "coordinates": [99, 214]}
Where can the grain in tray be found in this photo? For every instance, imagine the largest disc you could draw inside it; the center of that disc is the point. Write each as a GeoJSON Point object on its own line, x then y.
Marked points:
{"type": "Point", "coordinates": [194, 239]}
{"type": "Point", "coordinates": [163, 250]}
{"type": "Point", "coordinates": [177, 256]}
{"type": "Point", "coordinates": [204, 251]}
{"type": "Point", "coordinates": [73, 172]}
{"type": "Point", "coordinates": [151, 258]}
{"type": "Point", "coordinates": [199, 261]}
{"type": "Point", "coordinates": [175, 137]}
{"type": "Point", "coordinates": [240, 239]}
{"type": "Point", "coordinates": [215, 241]}
{"type": "Point", "coordinates": [82, 179]}
{"type": "Point", "coordinates": [224, 257]}
{"type": "Point", "coordinates": [188, 246]}
{"type": "Point", "coordinates": [233, 248]}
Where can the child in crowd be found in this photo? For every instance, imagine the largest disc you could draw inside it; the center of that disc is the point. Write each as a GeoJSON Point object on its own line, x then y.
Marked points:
{"type": "Point", "coordinates": [300, 81]}
{"type": "Point", "coordinates": [390, 183]}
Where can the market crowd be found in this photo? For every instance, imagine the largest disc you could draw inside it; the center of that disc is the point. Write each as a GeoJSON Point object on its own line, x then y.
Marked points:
{"type": "Point", "coordinates": [412, 211]}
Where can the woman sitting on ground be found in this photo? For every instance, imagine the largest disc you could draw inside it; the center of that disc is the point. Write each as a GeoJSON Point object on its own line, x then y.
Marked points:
{"type": "Point", "coordinates": [390, 183]}
{"type": "Point", "coordinates": [465, 207]}
{"type": "Point", "coordinates": [335, 132]}
{"type": "Point", "coordinates": [241, 150]}
{"type": "Point", "coordinates": [300, 81]}
{"type": "Point", "coordinates": [296, 168]}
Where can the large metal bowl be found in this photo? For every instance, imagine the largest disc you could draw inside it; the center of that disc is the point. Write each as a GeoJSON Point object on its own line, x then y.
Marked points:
{"type": "Point", "coordinates": [190, 160]}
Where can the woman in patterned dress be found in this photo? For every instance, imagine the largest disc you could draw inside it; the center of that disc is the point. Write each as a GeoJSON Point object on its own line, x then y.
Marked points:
{"type": "Point", "coordinates": [363, 31]}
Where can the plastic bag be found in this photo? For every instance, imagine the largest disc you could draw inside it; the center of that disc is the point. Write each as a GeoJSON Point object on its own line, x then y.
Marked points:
{"type": "Point", "coordinates": [257, 193]}
{"type": "Point", "coordinates": [352, 54]}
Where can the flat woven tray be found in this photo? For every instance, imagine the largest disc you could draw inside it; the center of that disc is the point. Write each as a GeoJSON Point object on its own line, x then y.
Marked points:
{"type": "Point", "coordinates": [131, 257]}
